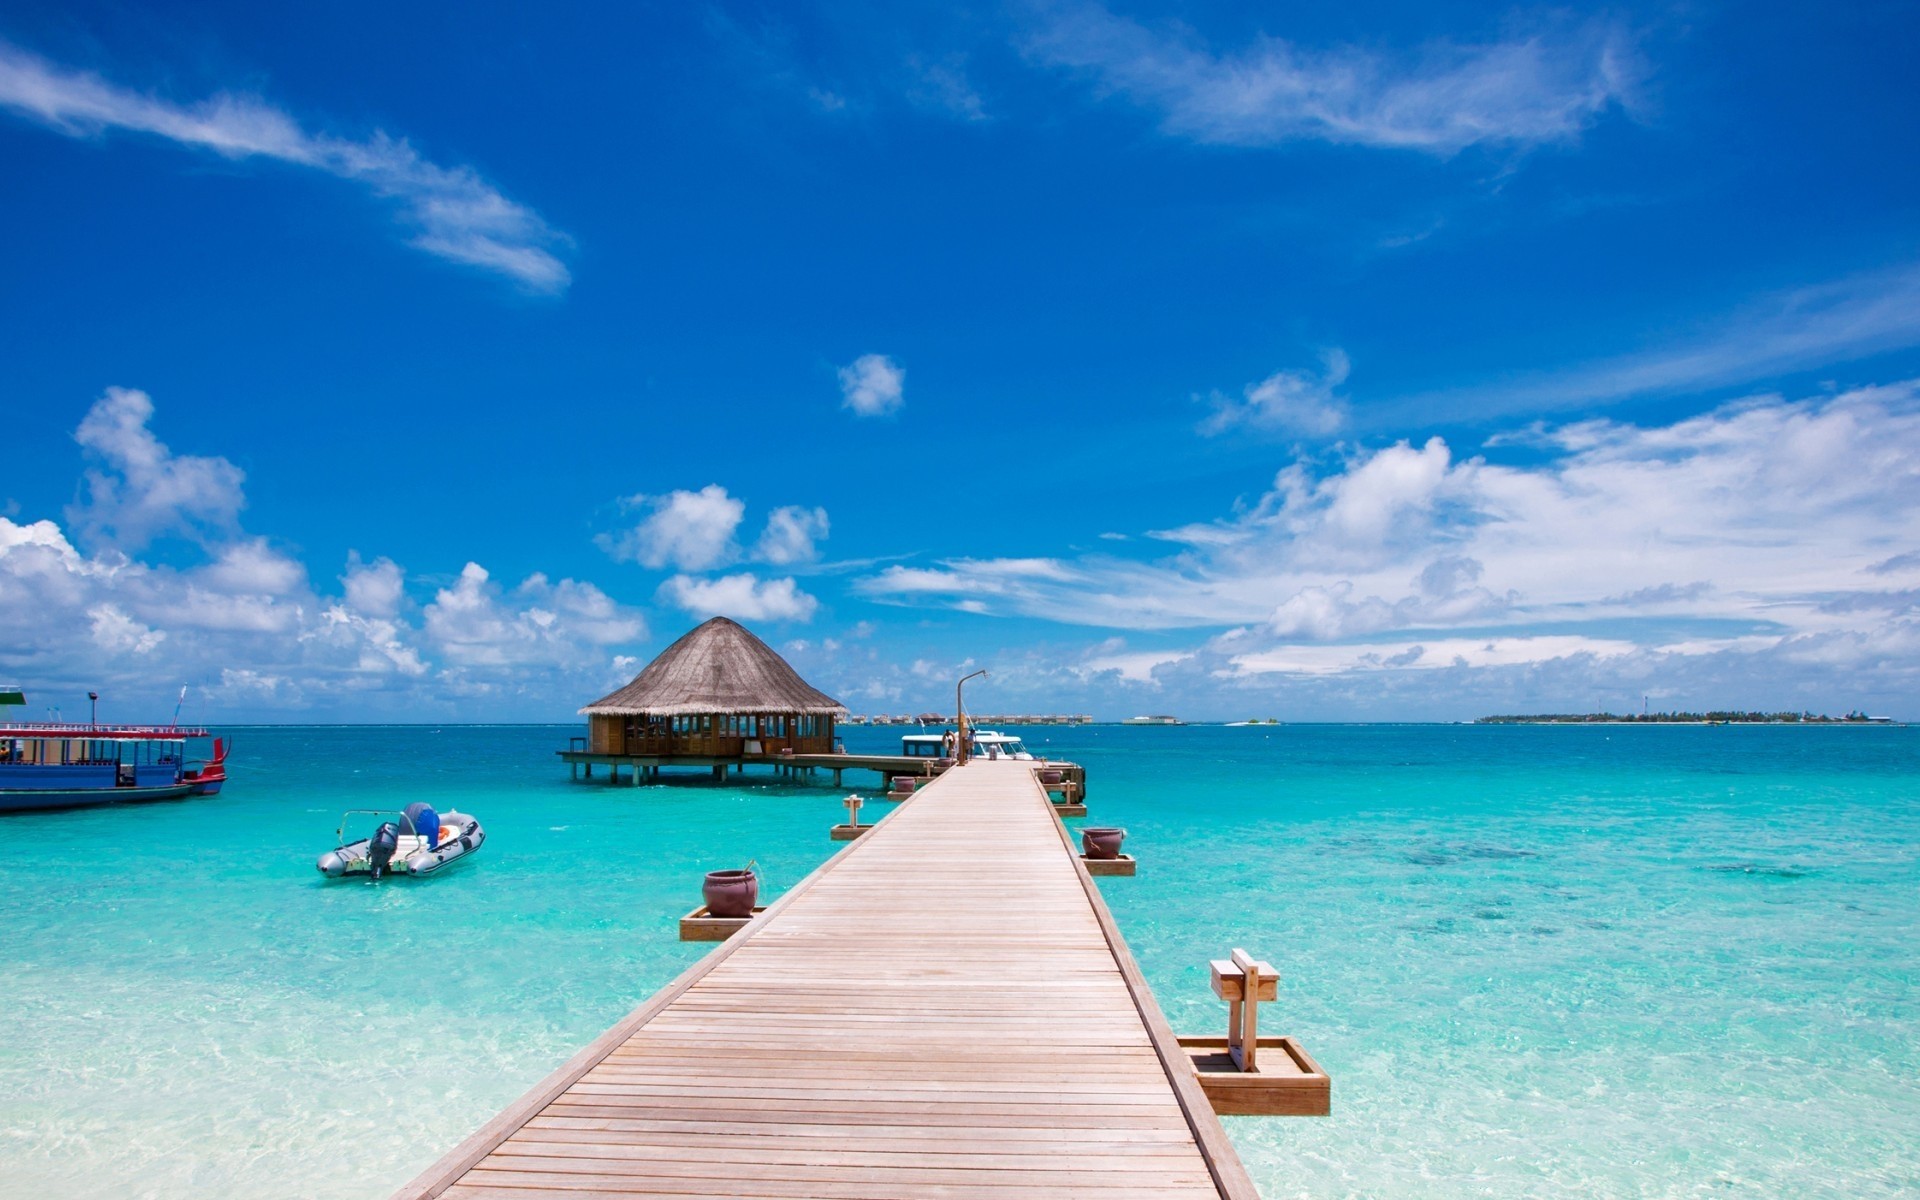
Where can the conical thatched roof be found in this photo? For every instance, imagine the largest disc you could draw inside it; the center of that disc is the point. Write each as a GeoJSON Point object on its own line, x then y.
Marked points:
{"type": "Point", "coordinates": [717, 668]}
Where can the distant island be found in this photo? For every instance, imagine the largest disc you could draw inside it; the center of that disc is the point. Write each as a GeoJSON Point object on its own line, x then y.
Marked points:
{"type": "Point", "coordinates": [1687, 718]}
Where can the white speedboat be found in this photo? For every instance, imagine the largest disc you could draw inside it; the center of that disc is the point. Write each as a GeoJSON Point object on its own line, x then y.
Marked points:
{"type": "Point", "coordinates": [985, 743]}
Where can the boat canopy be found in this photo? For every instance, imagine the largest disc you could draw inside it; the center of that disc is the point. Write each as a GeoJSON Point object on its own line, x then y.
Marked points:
{"type": "Point", "coordinates": [77, 731]}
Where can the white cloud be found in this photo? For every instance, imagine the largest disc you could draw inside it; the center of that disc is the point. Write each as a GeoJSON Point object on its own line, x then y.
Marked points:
{"type": "Point", "coordinates": [1434, 654]}
{"type": "Point", "coordinates": [1380, 493]}
{"type": "Point", "coordinates": [475, 623]}
{"type": "Point", "coordinates": [1800, 328]}
{"type": "Point", "coordinates": [382, 642]}
{"type": "Point", "coordinates": [457, 214]}
{"type": "Point", "coordinates": [692, 531]}
{"type": "Point", "coordinates": [245, 625]}
{"type": "Point", "coordinates": [252, 567]}
{"type": "Point", "coordinates": [966, 583]}
{"type": "Point", "coordinates": [873, 385]}
{"type": "Point", "coordinates": [743, 596]}
{"type": "Point", "coordinates": [143, 490]}
{"type": "Point", "coordinates": [827, 101]}
{"type": "Point", "coordinates": [1294, 401]}
{"type": "Point", "coordinates": [1768, 526]}
{"type": "Point", "coordinates": [375, 589]}
{"type": "Point", "coordinates": [117, 633]}
{"type": "Point", "coordinates": [1134, 666]}
{"type": "Point", "coordinates": [1543, 88]}
{"type": "Point", "coordinates": [791, 534]}
{"type": "Point", "coordinates": [942, 86]}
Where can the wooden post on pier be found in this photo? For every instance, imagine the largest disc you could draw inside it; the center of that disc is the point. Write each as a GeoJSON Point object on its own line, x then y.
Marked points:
{"type": "Point", "coordinates": [1243, 984]}
{"type": "Point", "coordinates": [1244, 1074]}
{"type": "Point", "coordinates": [853, 828]}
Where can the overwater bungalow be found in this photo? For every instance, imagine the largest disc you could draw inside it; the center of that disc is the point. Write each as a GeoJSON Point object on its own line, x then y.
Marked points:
{"type": "Point", "coordinates": [717, 696]}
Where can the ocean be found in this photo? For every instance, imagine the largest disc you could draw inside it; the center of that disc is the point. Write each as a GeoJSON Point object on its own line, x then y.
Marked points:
{"type": "Point", "coordinates": [1598, 961]}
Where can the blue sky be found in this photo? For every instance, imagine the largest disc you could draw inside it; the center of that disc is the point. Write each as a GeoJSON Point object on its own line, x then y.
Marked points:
{"type": "Point", "coordinates": [1398, 362]}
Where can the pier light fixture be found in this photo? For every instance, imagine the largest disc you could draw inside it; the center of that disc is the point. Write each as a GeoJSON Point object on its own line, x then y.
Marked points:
{"type": "Point", "coordinates": [960, 717]}
{"type": "Point", "coordinates": [93, 698]}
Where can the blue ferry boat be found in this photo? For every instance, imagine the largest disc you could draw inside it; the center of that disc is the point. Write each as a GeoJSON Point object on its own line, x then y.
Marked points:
{"type": "Point", "coordinates": [73, 764]}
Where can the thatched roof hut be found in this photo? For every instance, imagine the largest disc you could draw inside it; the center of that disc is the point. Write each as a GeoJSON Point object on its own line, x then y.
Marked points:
{"type": "Point", "coordinates": [717, 692]}
{"type": "Point", "coordinates": [717, 668]}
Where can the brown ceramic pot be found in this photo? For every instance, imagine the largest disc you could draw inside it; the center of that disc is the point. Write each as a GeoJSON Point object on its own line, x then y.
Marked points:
{"type": "Point", "coordinates": [1102, 843]}
{"type": "Point", "coordinates": [1050, 777]}
{"type": "Point", "coordinates": [731, 893]}
{"type": "Point", "coordinates": [903, 783]}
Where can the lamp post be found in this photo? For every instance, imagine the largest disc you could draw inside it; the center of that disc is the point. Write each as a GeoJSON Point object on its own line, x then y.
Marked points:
{"type": "Point", "coordinates": [93, 698]}
{"type": "Point", "coordinates": [960, 715]}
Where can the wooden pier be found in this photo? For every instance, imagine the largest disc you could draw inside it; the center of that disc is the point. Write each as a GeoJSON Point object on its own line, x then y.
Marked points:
{"type": "Point", "coordinates": [639, 769]}
{"type": "Point", "coordinates": [944, 1008]}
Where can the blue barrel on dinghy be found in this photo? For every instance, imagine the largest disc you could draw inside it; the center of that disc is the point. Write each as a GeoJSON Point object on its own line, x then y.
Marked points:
{"type": "Point", "coordinates": [425, 821]}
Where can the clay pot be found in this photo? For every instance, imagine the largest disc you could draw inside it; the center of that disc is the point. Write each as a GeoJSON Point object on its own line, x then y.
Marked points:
{"type": "Point", "coordinates": [903, 783]}
{"type": "Point", "coordinates": [1102, 843]}
{"type": "Point", "coordinates": [1050, 777]}
{"type": "Point", "coordinates": [731, 893]}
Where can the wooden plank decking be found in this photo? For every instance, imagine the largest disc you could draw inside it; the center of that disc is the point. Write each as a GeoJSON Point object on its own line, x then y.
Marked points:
{"type": "Point", "coordinates": [944, 1009]}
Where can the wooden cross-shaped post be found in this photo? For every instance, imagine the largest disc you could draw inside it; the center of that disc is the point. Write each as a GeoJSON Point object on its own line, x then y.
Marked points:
{"type": "Point", "coordinates": [1243, 984]}
{"type": "Point", "coordinates": [853, 809]}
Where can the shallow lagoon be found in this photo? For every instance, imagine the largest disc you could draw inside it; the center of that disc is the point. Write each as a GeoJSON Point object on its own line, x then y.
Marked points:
{"type": "Point", "coordinates": [1596, 961]}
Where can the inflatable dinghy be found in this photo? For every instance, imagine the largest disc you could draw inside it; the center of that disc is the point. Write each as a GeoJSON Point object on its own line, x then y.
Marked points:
{"type": "Point", "coordinates": [420, 842]}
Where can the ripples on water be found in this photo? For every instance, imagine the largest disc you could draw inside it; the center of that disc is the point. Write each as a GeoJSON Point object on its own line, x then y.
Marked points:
{"type": "Point", "coordinates": [1537, 961]}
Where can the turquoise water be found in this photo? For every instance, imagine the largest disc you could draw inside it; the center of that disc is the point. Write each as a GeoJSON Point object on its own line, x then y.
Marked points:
{"type": "Point", "coordinates": [1537, 961]}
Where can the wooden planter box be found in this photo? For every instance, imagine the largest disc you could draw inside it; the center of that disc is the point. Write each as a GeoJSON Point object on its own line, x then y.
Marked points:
{"type": "Point", "coordinates": [1070, 810]}
{"type": "Point", "coordinates": [1108, 866]}
{"type": "Point", "coordinates": [700, 926]}
{"type": "Point", "coordinates": [846, 833]}
{"type": "Point", "coordinates": [1288, 1084]}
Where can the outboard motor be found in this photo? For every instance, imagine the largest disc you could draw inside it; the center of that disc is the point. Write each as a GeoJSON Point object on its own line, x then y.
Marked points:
{"type": "Point", "coordinates": [381, 846]}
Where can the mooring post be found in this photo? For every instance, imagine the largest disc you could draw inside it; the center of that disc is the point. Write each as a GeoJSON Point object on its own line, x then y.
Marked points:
{"type": "Point", "coordinates": [853, 808]}
{"type": "Point", "coordinates": [1243, 983]}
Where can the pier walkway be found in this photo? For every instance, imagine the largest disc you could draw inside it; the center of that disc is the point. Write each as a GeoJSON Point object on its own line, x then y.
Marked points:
{"type": "Point", "coordinates": [945, 1008]}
